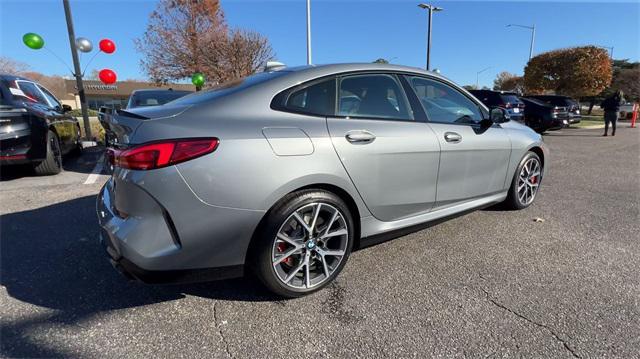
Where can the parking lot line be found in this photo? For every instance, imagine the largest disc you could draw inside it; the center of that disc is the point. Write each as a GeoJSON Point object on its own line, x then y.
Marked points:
{"type": "Point", "coordinates": [93, 176]}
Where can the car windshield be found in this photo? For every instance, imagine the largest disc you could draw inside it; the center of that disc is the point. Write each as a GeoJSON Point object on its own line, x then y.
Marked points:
{"type": "Point", "coordinates": [536, 101]}
{"type": "Point", "coordinates": [227, 88]}
{"type": "Point", "coordinates": [155, 98]}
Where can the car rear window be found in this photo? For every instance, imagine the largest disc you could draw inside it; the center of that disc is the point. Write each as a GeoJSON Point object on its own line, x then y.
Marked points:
{"type": "Point", "coordinates": [510, 98]}
{"type": "Point", "coordinates": [556, 101]}
{"type": "Point", "coordinates": [227, 88]}
{"type": "Point", "coordinates": [30, 92]}
{"type": "Point", "coordinates": [156, 98]}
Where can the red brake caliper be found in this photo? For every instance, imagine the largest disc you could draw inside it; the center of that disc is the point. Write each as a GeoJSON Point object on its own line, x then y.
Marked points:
{"type": "Point", "coordinates": [282, 248]}
{"type": "Point", "coordinates": [534, 179]}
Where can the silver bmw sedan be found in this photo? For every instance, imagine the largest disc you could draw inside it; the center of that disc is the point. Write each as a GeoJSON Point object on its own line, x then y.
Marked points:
{"type": "Point", "coordinates": [284, 172]}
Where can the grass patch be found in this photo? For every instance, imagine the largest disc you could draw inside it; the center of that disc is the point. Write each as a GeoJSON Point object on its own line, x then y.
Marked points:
{"type": "Point", "coordinates": [589, 121]}
{"type": "Point", "coordinates": [97, 131]}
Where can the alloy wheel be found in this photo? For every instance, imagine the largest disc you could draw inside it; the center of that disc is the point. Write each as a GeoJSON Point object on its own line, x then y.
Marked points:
{"type": "Point", "coordinates": [55, 151]}
{"type": "Point", "coordinates": [529, 181]}
{"type": "Point", "coordinates": [310, 245]}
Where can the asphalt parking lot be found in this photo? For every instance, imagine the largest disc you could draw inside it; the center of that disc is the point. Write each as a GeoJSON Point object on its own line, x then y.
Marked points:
{"type": "Point", "coordinates": [488, 284]}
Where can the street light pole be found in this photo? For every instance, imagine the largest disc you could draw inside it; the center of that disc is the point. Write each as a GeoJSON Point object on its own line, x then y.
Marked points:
{"type": "Point", "coordinates": [533, 36]}
{"type": "Point", "coordinates": [478, 76]}
{"type": "Point", "coordinates": [76, 70]}
{"type": "Point", "coordinates": [431, 9]}
{"type": "Point", "coordinates": [610, 48]}
{"type": "Point", "coordinates": [308, 32]}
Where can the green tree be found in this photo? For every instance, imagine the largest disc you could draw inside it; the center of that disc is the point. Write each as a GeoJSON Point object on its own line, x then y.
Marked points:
{"type": "Point", "coordinates": [381, 61]}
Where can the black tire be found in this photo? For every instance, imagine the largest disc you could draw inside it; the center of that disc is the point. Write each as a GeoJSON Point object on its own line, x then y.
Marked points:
{"type": "Point", "coordinates": [513, 201]}
{"type": "Point", "coordinates": [278, 217]}
{"type": "Point", "coordinates": [77, 149]}
{"type": "Point", "coordinates": [53, 162]}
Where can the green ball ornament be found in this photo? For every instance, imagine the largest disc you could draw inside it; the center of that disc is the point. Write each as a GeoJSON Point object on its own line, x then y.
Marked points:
{"type": "Point", "coordinates": [197, 79]}
{"type": "Point", "coordinates": [33, 41]}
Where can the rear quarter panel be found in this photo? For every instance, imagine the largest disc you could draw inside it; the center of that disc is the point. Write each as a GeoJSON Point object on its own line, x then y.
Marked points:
{"type": "Point", "coordinates": [245, 171]}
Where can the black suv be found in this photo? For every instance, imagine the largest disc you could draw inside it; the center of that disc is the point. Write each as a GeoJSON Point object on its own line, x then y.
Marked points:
{"type": "Point", "coordinates": [506, 100]}
{"type": "Point", "coordinates": [572, 106]}
{"type": "Point", "coordinates": [35, 127]}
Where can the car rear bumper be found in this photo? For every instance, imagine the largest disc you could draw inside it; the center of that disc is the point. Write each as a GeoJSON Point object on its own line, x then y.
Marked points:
{"type": "Point", "coordinates": [155, 229]}
{"type": "Point", "coordinates": [19, 147]}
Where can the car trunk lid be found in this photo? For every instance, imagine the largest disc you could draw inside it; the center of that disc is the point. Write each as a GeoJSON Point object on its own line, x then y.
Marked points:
{"type": "Point", "coordinates": [13, 119]}
{"type": "Point", "coordinates": [121, 125]}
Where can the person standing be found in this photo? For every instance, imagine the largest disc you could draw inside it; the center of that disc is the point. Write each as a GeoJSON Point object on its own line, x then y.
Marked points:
{"type": "Point", "coordinates": [611, 106]}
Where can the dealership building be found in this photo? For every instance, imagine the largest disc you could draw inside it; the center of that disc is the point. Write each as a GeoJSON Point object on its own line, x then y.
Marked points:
{"type": "Point", "coordinates": [115, 95]}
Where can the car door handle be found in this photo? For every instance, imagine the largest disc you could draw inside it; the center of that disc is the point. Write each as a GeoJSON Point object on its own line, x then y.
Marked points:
{"type": "Point", "coordinates": [360, 137]}
{"type": "Point", "coordinates": [452, 137]}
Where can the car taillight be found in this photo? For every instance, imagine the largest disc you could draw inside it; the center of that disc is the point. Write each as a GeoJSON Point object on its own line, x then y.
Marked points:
{"type": "Point", "coordinates": [161, 154]}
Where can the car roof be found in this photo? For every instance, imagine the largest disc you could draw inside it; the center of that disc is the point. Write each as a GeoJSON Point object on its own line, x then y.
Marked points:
{"type": "Point", "coordinates": [7, 77]}
{"type": "Point", "coordinates": [330, 69]}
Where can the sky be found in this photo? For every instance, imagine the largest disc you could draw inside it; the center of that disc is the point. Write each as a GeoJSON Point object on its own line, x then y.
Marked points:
{"type": "Point", "coordinates": [468, 36]}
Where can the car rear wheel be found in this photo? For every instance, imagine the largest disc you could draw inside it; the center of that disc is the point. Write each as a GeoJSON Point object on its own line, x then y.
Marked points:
{"type": "Point", "coordinates": [52, 164]}
{"type": "Point", "coordinates": [525, 183]}
{"type": "Point", "coordinates": [77, 149]}
{"type": "Point", "coordinates": [304, 243]}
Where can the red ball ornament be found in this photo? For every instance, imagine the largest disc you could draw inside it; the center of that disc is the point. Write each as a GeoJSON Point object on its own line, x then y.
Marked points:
{"type": "Point", "coordinates": [107, 76]}
{"type": "Point", "coordinates": [107, 46]}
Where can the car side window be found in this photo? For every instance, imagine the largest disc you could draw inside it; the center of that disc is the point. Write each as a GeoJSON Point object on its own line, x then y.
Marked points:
{"type": "Point", "coordinates": [52, 99]}
{"type": "Point", "coordinates": [315, 99]}
{"type": "Point", "coordinates": [373, 96]}
{"type": "Point", "coordinates": [444, 104]}
{"type": "Point", "coordinates": [32, 93]}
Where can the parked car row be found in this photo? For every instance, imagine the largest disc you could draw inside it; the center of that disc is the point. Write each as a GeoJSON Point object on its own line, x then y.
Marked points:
{"type": "Point", "coordinates": [540, 112]}
{"type": "Point", "coordinates": [35, 128]}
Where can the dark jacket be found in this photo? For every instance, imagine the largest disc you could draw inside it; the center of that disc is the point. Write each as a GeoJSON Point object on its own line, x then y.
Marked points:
{"type": "Point", "coordinates": [612, 103]}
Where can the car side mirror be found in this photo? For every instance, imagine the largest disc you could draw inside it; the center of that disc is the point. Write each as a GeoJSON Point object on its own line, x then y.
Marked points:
{"type": "Point", "coordinates": [498, 115]}
{"type": "Point", "coordinates": [66, 108]}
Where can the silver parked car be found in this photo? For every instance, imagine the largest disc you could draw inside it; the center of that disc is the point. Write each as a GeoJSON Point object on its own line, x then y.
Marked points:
{"type": "Point", "coordinates": [286, 171]}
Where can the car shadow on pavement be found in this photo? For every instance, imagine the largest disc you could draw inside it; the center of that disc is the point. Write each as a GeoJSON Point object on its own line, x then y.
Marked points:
{"type": "Point", "coordinates": [51, 258]}
{"type": "Point", "coordinates": [84, 163]}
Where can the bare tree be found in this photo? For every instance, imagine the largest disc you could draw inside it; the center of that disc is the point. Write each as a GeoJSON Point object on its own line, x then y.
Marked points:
{"type": "Point", "coordinates": [188, 36]}
{"type": "Point", "coordinates": [244, 53]}
{"type": "Point", "coordinates": [177, 33]}
{"type": "Point", "coordinates": [11, 66]}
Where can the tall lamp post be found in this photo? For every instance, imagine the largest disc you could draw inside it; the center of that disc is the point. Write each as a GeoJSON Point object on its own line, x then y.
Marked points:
{"type": "Point", "coordinates": [308, 32]}
{"type": "Point", "coordinates": [478, 76]}
{"type": "Point", "coordinates": [431, 9]}
{"type": "Point", "coordinates": [77, 71]}
{"type": "Point", "coordinates": [533, 36]}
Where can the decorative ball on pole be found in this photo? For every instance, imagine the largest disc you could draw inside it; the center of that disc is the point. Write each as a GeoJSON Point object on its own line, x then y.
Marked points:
{"type": "Point", "coordinates": [198, 80]}
{"type": "Point", "coordinates": [107, 76]}
{"type": "Point", "coordinates": [83, 44]}
{"type": "Point", "coordinates": [33, 41]}
{"type": "Point", "coordinates": [107, 46]}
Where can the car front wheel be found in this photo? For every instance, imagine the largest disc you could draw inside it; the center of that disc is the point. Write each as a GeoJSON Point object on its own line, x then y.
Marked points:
{"type": "Point", "coordinates": [526, 182]}
{"type": "Point", "coordinates": [304, 243]}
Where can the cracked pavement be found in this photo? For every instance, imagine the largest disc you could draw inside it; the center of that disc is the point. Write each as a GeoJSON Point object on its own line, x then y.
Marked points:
{"type": "Point", "coordinates": [487, 284]}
